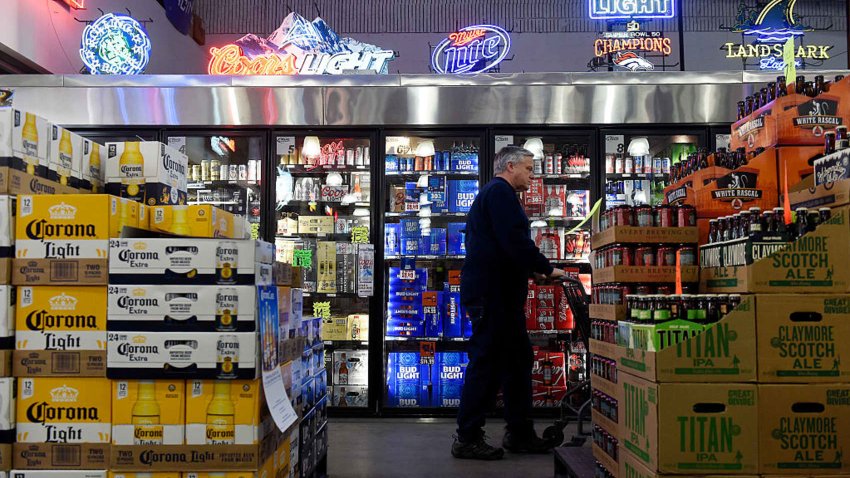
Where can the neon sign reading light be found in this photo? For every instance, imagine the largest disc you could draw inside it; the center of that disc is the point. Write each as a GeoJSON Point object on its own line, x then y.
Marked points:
{"type": "Point", "coordinates": [471, 50]}
{"type": "Point", "coordinates": [115, 44]}
{"type": "Point", "coordinates": [619, 9]}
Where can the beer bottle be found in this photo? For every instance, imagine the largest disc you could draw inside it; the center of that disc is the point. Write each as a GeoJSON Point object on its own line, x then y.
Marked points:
{"type": "Point", "coordinates": [342, 375]}
{"type": "Point", "coordinates": [748, 109]}
{"type": "Point", "coordinates": [800, 85]}
{"type": "Point", "coordinates": [829, 142]}
{"type": "Point", "coordinates": [802, 224]}
{"type": "Point", "coordinates": [810, 89]}
{"type": "Point", "coordinates": [94, 166]}
{"type": "Point", "coordinates": [712, 231]}
{"type": "Point", "coordinates": [825, 214]}
{"type": "Point", "coordinates": [820, 85]}
{"type": "Point", "coordinates": [180, 221]}
{"type": "Point", "coordinates": [66, 157]}
{"type": "Point", "coordinates": [221, 416]}
{"type": "Point", "coordinates": [765, 97]}
{"type": "Point", "coordinates": [756, 221]}
{"type": "Point", "coordinates": [131, 165]}
{"type": "Point", "coordinates": [779, 217]}
{"type": "Point", "coordinates": [781, 88]}
{"type": "Point", "coordinates": [838, 78]}
{"type": "Point", "coordinates": [29, 140]}
{"type": "Point", "coordinates": [771, 91]}
{"type": "Point", "coordinates": [147, 429]}
{"type": "Point", "coordinates": [342, 402]}
{"type": "Point", "coordinates": [741, 108]}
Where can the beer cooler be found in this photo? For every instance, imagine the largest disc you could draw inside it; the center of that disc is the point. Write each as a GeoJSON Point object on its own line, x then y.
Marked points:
{"type": "Point", "coordinates": [430, 179]}
{"type": "Point", "coordinates": [324, 217]}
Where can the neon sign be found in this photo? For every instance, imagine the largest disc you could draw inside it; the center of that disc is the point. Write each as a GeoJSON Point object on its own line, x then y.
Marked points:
{"type": "Point", "coordinates": [470, 50]}
{"type": "Point", "coordinates": [623, 45]}
{"type": "Point", "coordinates": [76, 4]}
{"type": "Point", "coordinates": [622, 9]}
{"type": "Point", "coordinates": [115, 44]}
{"type": "Point", "coordinates": [298, 47]}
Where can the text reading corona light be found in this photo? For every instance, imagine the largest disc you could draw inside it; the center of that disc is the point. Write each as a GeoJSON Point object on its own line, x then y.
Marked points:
{"type": "Point", "coordinates": [473, 49]}
{"type": "Point", "coordinates": [614, 9]}
{"type": "Point", "coordinates": [298, 47]}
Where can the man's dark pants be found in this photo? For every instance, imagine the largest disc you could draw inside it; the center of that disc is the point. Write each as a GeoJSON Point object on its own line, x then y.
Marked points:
{"type": "Point", "coordinates": [500, 355]}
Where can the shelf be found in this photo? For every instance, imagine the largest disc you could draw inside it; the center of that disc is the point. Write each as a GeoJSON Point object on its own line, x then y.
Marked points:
{"type": "Point", "coordinates": [426, 257]}
{"type": "Point", "coordinates": [322, 170]}
{"type": "Point", "coordinates": [414, 214]}
{"type": "Point", "coordinates": [556, 218]}
{"type": "Point", "coordinates": [295, 202]}
{"type": "Point", "coordinates": [431, 173]}
{"type": "Point", "coordinates": [564, 176]}
{"type": "Point", "coordinates": [570, 261]}
{"type": "Point", "coordinates": [332, 294]}
{"type": "Point", "coordinates": [549, 332]}
{"type": "Point", "coordinates": [215, 203]}
{"type": "Point", "coordinates": [637, 176]}
{"type": "Point", "coordinates": [213, 184]}
{"type": "Point", "coordinates": [346, 344]}
{"type": "Point", "coordinates": [426, 339]}
{"type": "Point", "coordinates": [321, 235]}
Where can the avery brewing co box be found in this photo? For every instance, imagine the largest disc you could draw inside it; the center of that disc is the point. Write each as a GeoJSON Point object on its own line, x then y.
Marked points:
{"type": "Point", "coordinates": [63, 410]}
{"type": "Point", "coordinates": [146, 171]}
{"type": "Point", "coordinates": [190, 261]}
{"type": "Point", "coordinates": [147, 412]}
{"type": "Point", "coordinates": [223, 412]}
{"type": "Point", "coordinates": [182, 308]}
{"type": "Point", "coordinates": [65, 157]}
{"type": "Point", "coordinates": [61, 318]}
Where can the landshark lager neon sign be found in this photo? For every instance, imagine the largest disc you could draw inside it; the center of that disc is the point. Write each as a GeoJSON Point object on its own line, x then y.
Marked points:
{"type": "Point", "coordinates": [771, 26]}
{"type": "Point", "coordinates": [473, 49]}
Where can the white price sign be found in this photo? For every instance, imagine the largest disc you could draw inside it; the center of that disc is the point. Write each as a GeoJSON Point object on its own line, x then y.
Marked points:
{"type": "Point", "coordinates": [503, 140]}
{"type": "Point", "coordinates": [614, 143]}
{"type": "Point", "coordinates": [722, 140]}
{"type": "Point", "coordinates": [178, 143]}
{"type": "Point", "coordinates": [285, 145]}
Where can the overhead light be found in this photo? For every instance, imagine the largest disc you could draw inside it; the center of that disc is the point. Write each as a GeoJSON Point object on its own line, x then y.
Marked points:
{"type": "Point", "coordinates": [535, 145]}
{"type": "Point", "coordinates": [639, 146]}
{"type": "Point", "coordinates": [538, 223]}
{"type": "Point", "coordinates": [425, 149]}
{"type": "Point", "coordinates": [361, 212]}
{"type": "Point", "coordinates": [312, 148]}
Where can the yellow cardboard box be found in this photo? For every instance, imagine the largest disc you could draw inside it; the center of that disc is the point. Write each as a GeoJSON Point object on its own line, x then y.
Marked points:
{"type": "Point", "coordinates": [63, 410]}
{"type": "Point", "coordinates": [61, 318]}
{"type": "Point", "coordinates": [197, 220]}
{"type": "Point", "coordinates": [7, 237]}
{"type": "Point", "coordinates": [147, 412]}
{"type": "Point", "coordinates": [158, 474]}
{"type": "Point", "coordinates": [223, 412]}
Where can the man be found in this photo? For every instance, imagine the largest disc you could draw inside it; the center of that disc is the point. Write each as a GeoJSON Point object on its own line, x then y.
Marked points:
{"type": "Point", "coordinates": [500, 257]}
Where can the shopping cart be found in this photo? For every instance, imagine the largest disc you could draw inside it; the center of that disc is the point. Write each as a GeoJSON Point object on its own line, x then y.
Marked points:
{"type": "Point", "coordinates": [578, 301]}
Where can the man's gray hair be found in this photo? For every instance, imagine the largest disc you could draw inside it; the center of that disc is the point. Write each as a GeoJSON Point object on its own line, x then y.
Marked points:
{"type": "Point", "coordinates": [509, 155]}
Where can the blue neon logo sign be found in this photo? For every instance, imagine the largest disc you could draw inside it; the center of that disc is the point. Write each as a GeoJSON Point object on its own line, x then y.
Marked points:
{"type": "Point", "coordinates": [470, 50]}
{"type": "Point", "coordinates": [115, 44]}
{"type": "Point", "coordinates": [620, 9]}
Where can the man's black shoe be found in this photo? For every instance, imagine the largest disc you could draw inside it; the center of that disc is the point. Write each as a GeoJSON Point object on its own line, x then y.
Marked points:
{"type": "Point", "coordinates": [476, 450]}
{"type": "Point", "coordinates": [525, 443]}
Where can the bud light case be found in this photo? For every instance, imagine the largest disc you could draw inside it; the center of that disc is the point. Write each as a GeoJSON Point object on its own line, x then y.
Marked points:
{"type": "Point", "coordinates": [410, 228]}
{"type": "Point", "coordinates": [452, 318]}
{"type": "Point", "coordinates": [392, 243]}
{"type": "Point", "coordinates": [391, 163]}
{"type": "Point", "coordinates": [467, 325]}
{"type": "Point", "coordinates": [448, 371]}
{"type": "Point", "coordinates": [437, 242]}
{"type": "Point", "coordinates": [405, 328]}
{"type": "Point", "coordinates": [404, 385]}
{"type": "Point", "coordinates": [461, 194]}
{"type": "Point", "coordinates": [464, 161]}
{"type": "Point", "coordinates": [437, 193]}
{"type": "Point", "coordinates": [432, 310]}
{"type": "Point", "coordinates": [456, 238]}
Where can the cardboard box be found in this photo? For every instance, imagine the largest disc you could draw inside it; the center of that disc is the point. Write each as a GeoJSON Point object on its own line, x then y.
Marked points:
{"type": "Point", "coordinates": [65, 157]}
{"type": "Point", "coordinates": [632, 274]}
{"type": "Point", "coordinates": [169, 355]}
{"type": "Point", "coordinates": [61, 318]}
{"type": "Point", "coordinates": [335, 328]}
{"type": "Point", "coordinates": [608, 311]}
{"type": "Point", "coordinates": [743, 251]}
{"type": "Point", "coordinates": [631, 467]}
{"type": "Point", "coordinates": [641, 235]}
{"type": "Point", "coordinates": [146, 171]}
{"type": "Point", "coordinates": [130, 474]}
{"type": "Point", "coordinates": [190, 261]}
{"type": "Point", "coordinates": [68, 363]}
{"type": "Point", "coordinates": [92, 168]}
{"type": "Point", "coordinates": [356, 363]}
{"type": "Point", "coordinates": [154, 458]}
{"type": "Point", "coordinates": [690, 428]}
{"type": "Point", "coordinates": [803, 338]}
{"type": "Point", "coordinates": [7, 237]}
{"type": "Point", "coordinates": [58, 458]}
{"type": "Point", "coordinates": [7, 418]}
{"type": "Point", "coordinates": [195, 220]}
{"type": "Point", "coordinates": [182, 308]}
{"type": "Point", "coordinates": [723, 352]}
{"type": "Point", "coordinates": [147, 412]}
{"type": "Point", "coordinates": [8, 299]}
{"type": "Point", "coordinates": [803, 429]}
{"type": "Point", "coordinates": [611, 427]}
{"type": "Point", "coordinates": [806, 194]}
{"type": "Point", "coordinates": [24, 139]}
{"type": "Point", "coordinates": [227, 474]}
{"type": "Point", "coordinates": [832, 168]}
{"type": "Point", "coordinates": [54, 410]}
{"type": "Point", "coordinates": [223, 412]}
{"type": "Point", "coordinates": [315, 225]}
{"type": "Point", "coordinates": [58, 474]}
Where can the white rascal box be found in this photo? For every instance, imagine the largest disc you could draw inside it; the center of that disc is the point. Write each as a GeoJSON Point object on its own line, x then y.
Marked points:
{"type": "Point", "coordinates": [92, 169]}
{"type": "Point", "coordinates": [63, 410]}
{"type": "Point", "coordinates": [24, 138]}
{"type": "Point", "coordinates": [182, 308]}
{"type": "Point", "coordinates": [160, 355]}
{"type": "Point", "coordinates": [190, 261]}
{"type": "Point", "coordinates": [148, 412]}
{"type": "Point", "coordinates": [146, 171]}
{"type": "Point", "coordinates": [65, 157]}
{"type": "Point", "coordinates": [60, 318]}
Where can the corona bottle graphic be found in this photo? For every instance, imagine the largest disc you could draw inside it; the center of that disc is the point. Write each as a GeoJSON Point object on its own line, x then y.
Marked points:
{"type": "Point", "coordinates": [132, 168]}
{"type": "Point", "coordinates": [29, 139]}
{"type": "Point", "coordinates": [227, 309]}
{"type": "Point", "coordinates": [94, 166]}
{"type": "Point", "coordinates": [179, 221]}
{"type": "Point", "coordinates": [147, 429]}
{"type": "Point", "coordinates": [226, 261]}
{"type": "Point", "coordinates": [221, 428]}
{"type": "Point", "coordinates": [227, 356]}
{"type": "Point", "coordinates": [66, 153]}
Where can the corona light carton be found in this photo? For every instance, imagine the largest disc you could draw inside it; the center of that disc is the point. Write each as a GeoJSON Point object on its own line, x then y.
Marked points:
{"type": "Point", "coordinates": [223, 412]}
{"type": "Point", "coordinates": [182, 308]}
{"type": "Point", "coordinates": [62, 239]}
{"type": "Point", "coordinates": [60, 474]}
{"type": "Point", "coordinates": [65, 157]}
{"type": "Point", "coordinates": [190, 261]}
{"type": "Point", "coordinates": [63, 410]}
{"type": "Point", "coordinates": [147, 412]}
{"type": "Point", "coordinates": [146, 171]}
{"type": "Point", "coordinates": [61, 318]}
{"type": "Point", "coordinates": [7, 237]}
{"type": "Point", "coordinates": [161, 355]}
{"type": "Point", "coordinates": [24, 138]}
{"type": "Point", "coordinates": [197, 220]}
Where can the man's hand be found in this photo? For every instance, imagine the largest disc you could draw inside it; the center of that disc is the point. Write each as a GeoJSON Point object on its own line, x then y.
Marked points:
{"type": "Point", "coordinates": [557, 273]}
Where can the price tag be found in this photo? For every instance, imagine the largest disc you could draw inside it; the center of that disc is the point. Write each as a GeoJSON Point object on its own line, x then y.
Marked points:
{"type": "Point", "coordinates": [426, 352]}
{"type": "Point", "coordinates": [614, 143]}
{"type": "Point", "coordinates": [322, 309]}
{"type": "Point", "coordinates": [360, 235]}
{"type": "Point", "coordinates": [723, 140]}
{"type": "Point", "coordinates": [285, 145]}
{"type": "Point", "coordinates": [503, 140]}
{"type": "Point", "coordinates": [302, 258]}
{"type": "Point", "coordinates": [178, 143]}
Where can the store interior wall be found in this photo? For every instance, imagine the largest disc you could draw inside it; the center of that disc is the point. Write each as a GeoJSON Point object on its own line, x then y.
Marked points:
{"type": "Point", "coordinates": [47, 33]}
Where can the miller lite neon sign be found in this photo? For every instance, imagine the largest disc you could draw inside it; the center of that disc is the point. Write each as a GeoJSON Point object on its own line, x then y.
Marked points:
{"type": "Point", "coordinates": [470, 50]}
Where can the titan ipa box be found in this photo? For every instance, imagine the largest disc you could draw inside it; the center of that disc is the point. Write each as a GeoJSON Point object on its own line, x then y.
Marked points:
{"type": "Point", "coordinates": [160, 355]}
{"type": "Point", "coordinates": [65, 157]}
{"type": "Point", "coordinates": [147, 412]}
{"type": "Point", "coordinates": [223, 412]}
{"type": "Point", "coordinates": [61, 318]}
{"type": "Point", "coordinates": [63, 410]}
{"type": "Point", "coordinates": [24, 139]}
{"type": "Point", "coordinates": [146, 171]}
{"type": "Point", "coordinates": [182, 308]}
{"type": "Point", "coordinates": [190, 261]}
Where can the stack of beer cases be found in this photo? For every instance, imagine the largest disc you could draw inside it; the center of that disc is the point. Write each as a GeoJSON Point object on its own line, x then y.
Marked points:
{"type": "Point", "coordinates": [7, 332]}
{"type": "Point", "coordinates": [315, 400]}
{"type": "Point", "coordinates": [606, 315]}
{"type": "Point", "coordinates": [146, 171]}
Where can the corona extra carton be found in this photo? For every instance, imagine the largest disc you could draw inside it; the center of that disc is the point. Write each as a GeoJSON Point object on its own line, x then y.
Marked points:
{"type": "Point", "coordinates": [147, 412]}
{"type": "Point", "coordinates": [182, 308]}
{"type": "Point", "coordinates": [65, 157]}
{"type": "Point", "coordinates": [63, 410]}
{"type": "Point", "coordinates": [61, 318]}
{"type": "Point", "coordinates": [144, 217]}
{"type": "Point", "coordinates": [23, 139]}
{"type": "Point", "coordinates": [159, 474]}
{"type": "Point", "coordinates": [62, 239]}
{"type": "Point", "coordinates": [223, 412]}
{"type": "Point", "coordinates": [59, 474]}
{"type": "Point", "coordinates": [146, 171]}
{"type": "Point", "coordinates": [7, 237]}
{"type": "Point", "coordinates": [169, 355]}
{"type": "Point", "coordinates": [190, 261]}
{"type": "Point", "coordinates": [93, 170]}
{"type": "Point", "coordinates": [197, 220]}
